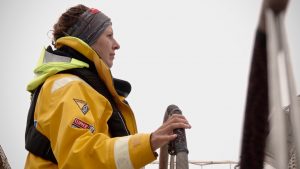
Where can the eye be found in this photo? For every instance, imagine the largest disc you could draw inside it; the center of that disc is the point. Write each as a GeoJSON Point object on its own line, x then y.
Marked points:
{"type": "Point", "coordinates": [110, 35]}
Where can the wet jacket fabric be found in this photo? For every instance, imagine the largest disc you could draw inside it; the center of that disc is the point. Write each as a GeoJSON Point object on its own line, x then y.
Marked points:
{"type": "Point", "coordinates": [75, 117]}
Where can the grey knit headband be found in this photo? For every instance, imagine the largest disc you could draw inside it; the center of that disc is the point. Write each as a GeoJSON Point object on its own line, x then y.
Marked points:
{"type": "Point", "coordinates": [90, 26]}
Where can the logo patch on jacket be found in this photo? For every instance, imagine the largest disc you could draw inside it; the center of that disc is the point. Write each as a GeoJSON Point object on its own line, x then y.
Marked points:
{"type": "Point", "coordinates": [77, 123]}
{"type": "Point", "coordinates": [83, 106]}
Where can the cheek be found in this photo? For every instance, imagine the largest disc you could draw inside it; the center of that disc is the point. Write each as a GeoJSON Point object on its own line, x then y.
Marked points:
{"type": "Point", "coordinates": [103, 47]}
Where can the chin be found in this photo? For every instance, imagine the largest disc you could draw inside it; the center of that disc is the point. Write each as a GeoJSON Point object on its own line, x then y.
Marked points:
{"type": "Point", "coordinates": [110, 64]}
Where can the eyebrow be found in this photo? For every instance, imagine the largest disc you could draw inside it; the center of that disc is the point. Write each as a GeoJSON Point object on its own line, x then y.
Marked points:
{"type": "Point", "coordinates": [109, 31]}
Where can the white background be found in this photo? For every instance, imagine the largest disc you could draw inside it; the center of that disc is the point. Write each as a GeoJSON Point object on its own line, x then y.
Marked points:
{"type": "Point", "coordinates": [195, 54]}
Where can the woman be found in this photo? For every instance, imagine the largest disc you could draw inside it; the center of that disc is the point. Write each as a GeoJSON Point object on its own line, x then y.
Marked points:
{"type": "Point", "coordinates": [80, 108]}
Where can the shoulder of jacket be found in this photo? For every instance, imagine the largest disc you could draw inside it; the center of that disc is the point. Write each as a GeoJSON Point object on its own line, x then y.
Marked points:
{"type": "Point", "coordinates": [58, 81]}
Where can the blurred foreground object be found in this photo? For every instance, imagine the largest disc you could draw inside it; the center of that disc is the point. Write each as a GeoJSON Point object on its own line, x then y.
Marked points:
{"type": "Point", "coordinates": [3, 160]}
{"type": "Point", "coordinates": [271, 133]}
{"type": "Point", "coordinates": [283, 142]}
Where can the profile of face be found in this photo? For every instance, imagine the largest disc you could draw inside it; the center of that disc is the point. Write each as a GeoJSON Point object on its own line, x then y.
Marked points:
{"type": "Point", "coordinates": [106, 45]}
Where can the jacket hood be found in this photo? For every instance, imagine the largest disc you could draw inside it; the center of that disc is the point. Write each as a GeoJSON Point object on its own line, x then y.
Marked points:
{"type": "Point", "coordinates": [50, 64]}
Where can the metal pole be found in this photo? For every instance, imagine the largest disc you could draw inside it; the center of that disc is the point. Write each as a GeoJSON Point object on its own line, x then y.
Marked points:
{"type": "Point", "coordinates": [177, 148]}
{"type": "Point", "coordinates": [292, 92]}
{"type": "Point", "coordinates": [163, 157]}
{"type": "Point", "coordinates": [278, 133]}
{"type": "Point", "coordinates": [172, 162]}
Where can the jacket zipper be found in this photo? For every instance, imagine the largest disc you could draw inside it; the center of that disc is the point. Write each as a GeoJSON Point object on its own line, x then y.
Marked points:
{"type": "Point", "coordinates": [121, 117]}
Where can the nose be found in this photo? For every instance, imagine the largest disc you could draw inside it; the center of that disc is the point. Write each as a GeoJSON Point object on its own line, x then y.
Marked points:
{"type": "Point", "coordinates": [116, 45]}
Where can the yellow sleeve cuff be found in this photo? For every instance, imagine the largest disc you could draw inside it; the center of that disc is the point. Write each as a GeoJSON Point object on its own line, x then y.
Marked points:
{"type": "Point", "coordinates": [140, 150]}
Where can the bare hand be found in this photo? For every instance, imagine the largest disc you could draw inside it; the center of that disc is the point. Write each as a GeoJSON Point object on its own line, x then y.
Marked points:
{"type": "Point", "coordinates": [164, 134]}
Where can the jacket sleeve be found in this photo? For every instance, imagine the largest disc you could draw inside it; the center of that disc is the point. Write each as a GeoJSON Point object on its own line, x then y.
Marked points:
{"type": "Point", "coordinates": [74, 118]}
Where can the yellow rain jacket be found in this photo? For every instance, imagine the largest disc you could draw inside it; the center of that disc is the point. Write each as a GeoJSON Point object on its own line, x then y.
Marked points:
{"type": "Point", "coordinates": [73, 116]}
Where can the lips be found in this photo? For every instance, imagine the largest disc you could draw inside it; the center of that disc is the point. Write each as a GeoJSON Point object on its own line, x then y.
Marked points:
{"type": "Point", "coordinates": [112, 55]}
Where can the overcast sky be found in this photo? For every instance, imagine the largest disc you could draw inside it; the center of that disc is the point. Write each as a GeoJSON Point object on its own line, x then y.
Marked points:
{"type": "Point", "coordinates": [195, 54]}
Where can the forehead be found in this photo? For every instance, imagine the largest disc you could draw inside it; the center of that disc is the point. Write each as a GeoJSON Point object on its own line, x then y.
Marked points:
{"type": "Point", "coordinates": [109, 29]}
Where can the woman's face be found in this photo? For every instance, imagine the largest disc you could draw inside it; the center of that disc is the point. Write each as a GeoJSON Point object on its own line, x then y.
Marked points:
{"type": "Point", "coordinates": [106, 45]}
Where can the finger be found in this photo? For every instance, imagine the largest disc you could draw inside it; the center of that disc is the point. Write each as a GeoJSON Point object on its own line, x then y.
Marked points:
{"type": "Point", "coordinates": [158, 140]}
{"type": "Point", "coordinates": [166, 138]}
{"type": "Point", "coordinates": [171, 127]}
{"type": "Point", "coordinates": [170, 137]}
{"type": "Point", "coordinates": [177, 120]}
{"type": "Point", "coordinates": [177, 116]}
